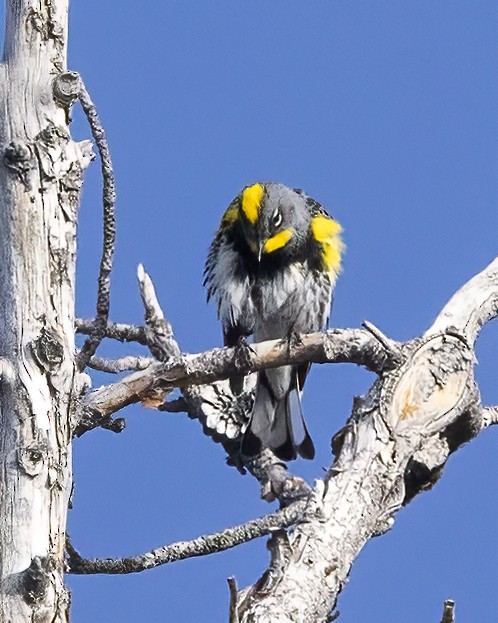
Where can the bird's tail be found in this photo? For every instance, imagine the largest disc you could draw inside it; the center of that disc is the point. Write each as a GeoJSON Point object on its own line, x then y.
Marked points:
{"type": "Point", "coordinates": [277, 420]}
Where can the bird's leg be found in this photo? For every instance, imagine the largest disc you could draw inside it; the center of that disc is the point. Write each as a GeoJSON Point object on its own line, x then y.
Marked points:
{"type": "Point", "coordinates": [293, 339]}
{"type": "Point", "coordinates": [243, 352]}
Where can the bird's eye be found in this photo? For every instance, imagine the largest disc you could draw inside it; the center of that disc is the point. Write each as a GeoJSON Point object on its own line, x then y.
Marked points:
{"type": "Point", "coordinates": [277, 218]}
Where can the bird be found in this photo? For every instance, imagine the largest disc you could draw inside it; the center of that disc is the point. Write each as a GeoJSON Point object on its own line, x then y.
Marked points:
{"type": "Point", "coordinates": [271, 268]}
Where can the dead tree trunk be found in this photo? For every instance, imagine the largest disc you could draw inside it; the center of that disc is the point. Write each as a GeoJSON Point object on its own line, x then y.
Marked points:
{"type": "Point", "coordinates": [40, 179]}
{"type": "Point", "coordinates": [424, 405]}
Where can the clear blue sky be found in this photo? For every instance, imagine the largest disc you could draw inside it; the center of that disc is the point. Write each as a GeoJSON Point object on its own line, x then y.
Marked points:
{"type": "Point", "coordinates": [387, 113]}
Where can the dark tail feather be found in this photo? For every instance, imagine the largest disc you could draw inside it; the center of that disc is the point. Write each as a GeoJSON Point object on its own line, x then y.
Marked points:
{"type": "Point", "coordinates": [257, 435]}
{"type": "Point", "coordinates": [305, 446]}
{"type": "Point", "coordinates": [251, 444]}
{"type": "Point", "coordinates": [297, 425]}
{"type": "Point", "coordinates": [278, 425]}
{"type": "Point", "coordinates": [281, 438]}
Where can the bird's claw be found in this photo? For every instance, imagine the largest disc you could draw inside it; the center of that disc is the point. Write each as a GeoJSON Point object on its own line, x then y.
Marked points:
{"type": "Point", "coordinates": [243, 353]}
{"type": "Point", "coordinates": [242, 361]}
{"type": "Point", "coordinates": [292, 340]}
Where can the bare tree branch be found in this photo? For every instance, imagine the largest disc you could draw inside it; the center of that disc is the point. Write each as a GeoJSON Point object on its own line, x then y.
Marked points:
{"type": "Point", "coordinates": [158, 330]}
{"type": "Point", "coordinates": [225, 424]}
{"type": "Point", "coordinates": [124, 364]}
{"type": "Point", "coordinates": [277, 482]}
{"type": "Point", "coordinates": [201, 546]}
{"type": "Point", "coordinates": [109, 238]}
{"type": "Point", "coordinates": [394, 446]}
{"type": "Point", "coordinates": [473, 305]}
{"type": "Point", "coordinates": [334, 346]}
{"type": "Point", "coordinates": [113, 330]}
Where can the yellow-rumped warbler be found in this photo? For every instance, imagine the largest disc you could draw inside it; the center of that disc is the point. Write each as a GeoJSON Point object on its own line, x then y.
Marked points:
{"type": "Point", "coordinates": [272, 268]}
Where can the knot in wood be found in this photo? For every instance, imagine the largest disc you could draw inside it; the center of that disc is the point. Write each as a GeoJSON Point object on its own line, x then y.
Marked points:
{"type": "Point", "coordinates": [428, 391]}
{"type": "Point", "coordinates": [66, 88]}
{"type": "Point", "coordinates": [70, 185]}
{"type": "Point", "coordinates": [48, 350]}
{"type": "Point", "coordinates": [44, 22]}
{"type": "Point", "coordinates": [16, 152]}
{"type": "Point", "coordinates": [35, 579]}
{"type": "Point", "coordinates": [31, 459]}
{"type": "Point", "coordinates": [19, 158]}
{"type": "Point", "coordinates": [52, 136]}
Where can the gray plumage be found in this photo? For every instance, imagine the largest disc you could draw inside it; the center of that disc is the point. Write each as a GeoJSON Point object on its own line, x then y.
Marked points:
{"type": "Point", "coordinates": [269, 275]}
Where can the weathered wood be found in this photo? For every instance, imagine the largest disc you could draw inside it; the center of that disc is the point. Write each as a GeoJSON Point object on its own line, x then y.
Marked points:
{"type": "Point", "coordinates": [337, 345]}
{"type": "Point", "coordinates": [424, 405]}
{"type": "Point", "coordinates": [40, 179]}
{"type": "Point", "coordinates": [394, 445]}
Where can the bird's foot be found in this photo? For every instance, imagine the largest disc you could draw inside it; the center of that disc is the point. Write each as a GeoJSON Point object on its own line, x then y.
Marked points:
{"type": "Point", "coordinates": [292, 340]}
{"type": "Point", "coordinates": [243, 353]}
{"type": "Point", "coordinates": [243, 356]}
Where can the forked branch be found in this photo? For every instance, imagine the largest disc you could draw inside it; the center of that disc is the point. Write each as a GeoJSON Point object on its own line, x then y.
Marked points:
{"type": "Point", "coordinates": [334, 346]}
{"type": "Point", "coordinates": [109, 220]}
{"type": "Point", "coordinates": [394, 446]}
{"type": "Point", "coordinates": [424, 406]}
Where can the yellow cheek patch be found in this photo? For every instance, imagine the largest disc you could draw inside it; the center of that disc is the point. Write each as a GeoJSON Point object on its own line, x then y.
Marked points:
{"type": "Point", "coordinates": [251, 202]}
{"type": "Point", "coordinates": [324, 228]}
{"type": "Point", "coordinates": [277, 241]}
{"type": "Point", "coordinates": [327, 232]}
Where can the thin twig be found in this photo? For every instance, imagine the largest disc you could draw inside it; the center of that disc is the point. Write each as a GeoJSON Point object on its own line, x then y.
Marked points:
{"type": "Point", "coordinates": [113, 330]}
{"type": "Point", "coordinates": [113, 366]}
{"type": "Point", "coordinates": [448, 611]}
{"type": "Point", "coordinates": [158, 330]}
{"type": "Point", "coordinates": [202, 546]}
{"type": "Point", "coordinates": [389, 345]}
{"type": "Point", "coordinates": [109, 223]}
{"type": "Point", "coordinates": [233, 617]}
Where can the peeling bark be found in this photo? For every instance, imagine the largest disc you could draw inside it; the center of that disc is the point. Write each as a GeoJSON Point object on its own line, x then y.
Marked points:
{"type": "Point", "coordinates": [334, 346]}
{"type": "Point", "coordinates": [423, 406]}
{"type": "Point", "coordinates": [394, 446]}
{"type": "Point", "coordinates": [40, 180]}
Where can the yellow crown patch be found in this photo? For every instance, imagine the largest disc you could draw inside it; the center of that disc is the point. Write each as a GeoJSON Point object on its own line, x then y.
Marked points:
{"type": "Point", "coordinates": [251, 202]}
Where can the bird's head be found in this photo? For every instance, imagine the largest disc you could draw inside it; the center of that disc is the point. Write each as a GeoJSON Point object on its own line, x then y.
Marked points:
{"type": "Point", "coordinates": [273, 217]}
{"type": "Point", "coordinates": [277, 221]}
